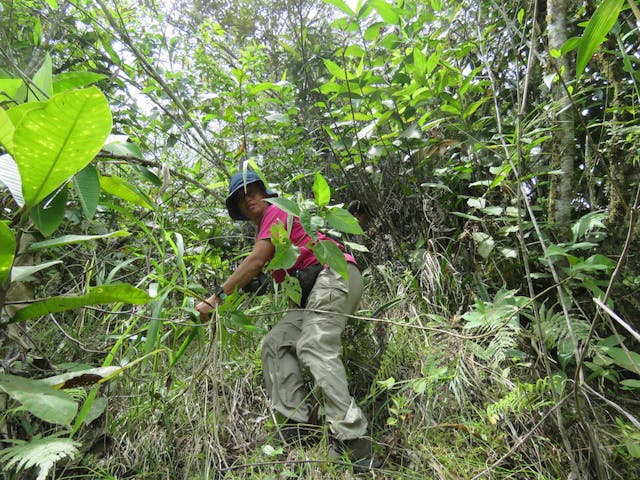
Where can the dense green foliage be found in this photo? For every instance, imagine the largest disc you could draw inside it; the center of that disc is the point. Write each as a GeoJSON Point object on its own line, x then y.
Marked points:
{"type": "Point", "coordinates": [495, 145]}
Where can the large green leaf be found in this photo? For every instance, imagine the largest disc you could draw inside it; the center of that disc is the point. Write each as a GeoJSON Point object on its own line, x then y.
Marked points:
{"type": "Point", "coordinates": [121, 188]}
{"type": "Point", "coordinates": [286, 253]}
{"type": "Point", "coordinates": [328, 253]}
{"type": "Point", "coordinates": [7, 251]}
{"type": "Point", "coordinates": [49, 213]}
{"type": "Point", "coordinates": [87, 186]}
{"type": "Point", "coordinates": [596, 31]}
{"type": "Point", "coordinates": [285, 204]}
{"type": "Point", "coordinates": [69, 239]}
{"type": "Point", "coordinates": [321, 190]}
{"type": "Point", "coordinates": [118, 145]}
{"type": "Point", "coordinates": [70, 80]}
{"type": "Point", "coordinates": [52, 143]}
{"type": "Point", "coordinates": [343, 221]}
{"type": "Point", "coordinates": [102, 295]}
{"type": "Point", "coordinates": [386, 11]}
{"type": "Point", "coordinates": [42, 400]}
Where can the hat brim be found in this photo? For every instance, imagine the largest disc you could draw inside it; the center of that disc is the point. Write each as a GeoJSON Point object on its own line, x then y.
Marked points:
{"type": "Point", "coordinates": [232, 205]}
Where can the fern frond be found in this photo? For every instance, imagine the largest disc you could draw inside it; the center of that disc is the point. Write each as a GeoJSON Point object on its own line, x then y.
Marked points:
{"type": "Point", "coordinates": [39, 452]}
{"type": "Point", "coordinates": [524, 397]}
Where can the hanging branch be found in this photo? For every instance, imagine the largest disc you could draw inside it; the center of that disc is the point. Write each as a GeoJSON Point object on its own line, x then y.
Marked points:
{"type": "Point", "coordinates": [153, 73]}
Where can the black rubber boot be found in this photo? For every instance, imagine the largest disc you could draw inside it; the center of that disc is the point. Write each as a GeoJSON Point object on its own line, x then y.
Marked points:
{"type": "Point", "coordinates": [361, 454]}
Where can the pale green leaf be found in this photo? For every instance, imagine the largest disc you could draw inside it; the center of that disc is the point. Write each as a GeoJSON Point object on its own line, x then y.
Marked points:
{"type": "Point", "coordinates": [626, 359]}
{"type": "Point", "coordinates": [9, 88]}
{"type": "Point", "coordinates": [126, 191]}
{"type": "Point", "coordinates": [38, 452]}
{"type": "Point", "coordinates": [69, 239]}
{"type": "Point", "coordinates": [355, 247]}
{"type": "Point", "coordinates": [42, 87]}
{"type": "Point", "coordinates": [78, 378]}
{"type": "Point", "coordinates": [86, 183]}
{"type": "Point", "coordinates": [97, 408]}
{"type": "Point", "coordinates": [25, 272]}
{"type": "Point", "coordinates": [485, 243]}
{"type": "Point", "coordinates": [102, 295]}
{"type": "Point", "coordinates": [289, 206]}
{"type": "Point", "coordinates": [386, 11]}
{"type": "Point", "coordinates": [52, 143]}
{"type": "Point", "coordinates": [343, 221]}
{"type": "Point", "coordinates": [118, 145]}
{"type": "Point", "coordinates": [336, 70]}
{"type": "Point", "coordinates": [6, 130]}
{"type": "Point", "coordinates": [596, 31]}
{"type": "Point", "coordinates": [40, 399]}
{"type": "Point", "coordinates": [321, 190]}
{"type": "Point", "coordinates": [342, 6]}
{"type": "Point", "coordinates": [7, 251]}
{"type": "Point", "coordinates": [10, 177]}
{"type": "Point", "coordinates": [70, 80]}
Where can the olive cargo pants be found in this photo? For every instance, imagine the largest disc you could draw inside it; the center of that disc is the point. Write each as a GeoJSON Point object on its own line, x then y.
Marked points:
{"type": "Point", "coordinates": [307, 339]}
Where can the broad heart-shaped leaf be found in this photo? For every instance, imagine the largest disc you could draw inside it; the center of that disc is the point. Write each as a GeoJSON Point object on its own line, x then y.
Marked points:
{"type": "Point", "coordinates": [328, 253]}
{"type": "Point", "coordinates": [343, 221]}
{"type": "Point", "coordinates": [52, 143]}
{"type": "Point", "coordinates": [596, 31]}
{"type": "Point", "coordinates": [321, 190]}
{"type": "Point", "coordinates": [102, 295]}
{"type": "Point", "coordinates": [42, 400]}
{"type": "Point", "coordinates": [7, 251]}
{"type": "Point", "coordinates": [48, 214]}
{"type": "Point", "coordinates": [87, 186]}
{"type": "Point", "coordinates": [10, 176]}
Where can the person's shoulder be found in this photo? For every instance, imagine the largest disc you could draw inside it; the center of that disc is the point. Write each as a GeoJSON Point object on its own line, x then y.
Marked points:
{"type": "Point", "coordinates": [273, 213]}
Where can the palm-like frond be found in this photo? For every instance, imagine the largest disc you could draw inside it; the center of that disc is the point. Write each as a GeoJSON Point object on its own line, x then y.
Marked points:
{"type": "Point", "coordinates": [39, 452]}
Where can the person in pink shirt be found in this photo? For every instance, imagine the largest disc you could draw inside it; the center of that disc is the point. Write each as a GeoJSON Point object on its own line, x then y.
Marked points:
{"type": "Point", "coordinates": [308, 337]}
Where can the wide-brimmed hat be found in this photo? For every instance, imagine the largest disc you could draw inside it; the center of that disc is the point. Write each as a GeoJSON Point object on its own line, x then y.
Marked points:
{"type": "Point", "coordinates": [238, 181]}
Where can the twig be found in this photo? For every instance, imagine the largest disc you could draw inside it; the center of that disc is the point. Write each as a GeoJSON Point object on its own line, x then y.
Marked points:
{"type": "Point", "coordinates": [73, 340]}
{"type": "Point", "coordinates": [615, 316]}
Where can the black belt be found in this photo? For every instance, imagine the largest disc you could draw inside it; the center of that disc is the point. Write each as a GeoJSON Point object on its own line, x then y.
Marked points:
{"type": "Point", "coordinates": [307, 278]}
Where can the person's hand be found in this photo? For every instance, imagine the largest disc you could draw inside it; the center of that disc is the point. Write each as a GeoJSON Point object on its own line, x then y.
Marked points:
{"type": "Point", "coordinates": [205, 308]}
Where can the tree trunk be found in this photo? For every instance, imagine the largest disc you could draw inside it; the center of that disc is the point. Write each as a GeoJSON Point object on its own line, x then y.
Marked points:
{"type": "Point", "coordinates": [563, 146]}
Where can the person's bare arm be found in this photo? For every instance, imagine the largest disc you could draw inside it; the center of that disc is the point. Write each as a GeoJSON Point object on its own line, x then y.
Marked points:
{"type": "Point", "coordinates": [251, 266]}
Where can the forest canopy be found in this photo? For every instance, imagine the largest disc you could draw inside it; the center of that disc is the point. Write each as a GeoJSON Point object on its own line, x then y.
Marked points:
{"type": "Point", "coordinates": [494, 146]}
